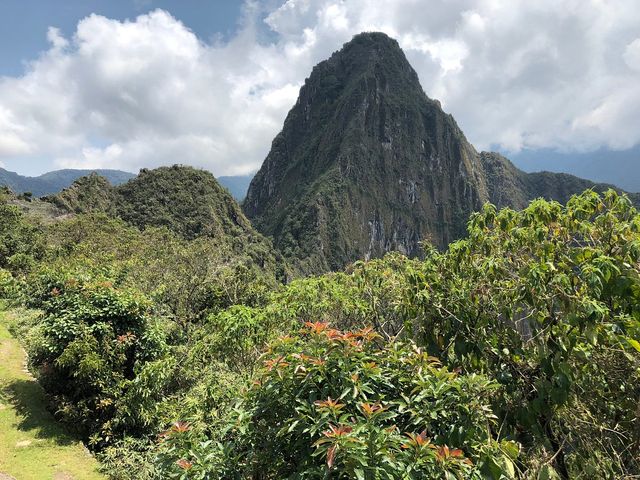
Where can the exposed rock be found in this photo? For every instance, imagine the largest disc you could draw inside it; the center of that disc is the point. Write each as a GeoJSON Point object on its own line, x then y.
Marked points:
{"type": "Point", "coordinates": [364, 147]}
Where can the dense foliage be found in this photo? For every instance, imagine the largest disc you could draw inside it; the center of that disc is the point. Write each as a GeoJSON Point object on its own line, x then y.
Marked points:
{"type": "Point", "coordinates": [20, 244]}
{"type": "Point", "coordinates": [513, 354]}
{"type": "Point", "coordinates": [351, 405]}
{"type": "Point", "coordinates": [548, 301]}
{"type": "Point", "coordinates": [89, 347]}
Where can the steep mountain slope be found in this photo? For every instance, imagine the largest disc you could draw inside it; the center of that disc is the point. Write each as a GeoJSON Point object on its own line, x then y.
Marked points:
{"type": "Point", "coordinates": [186, 200]}
{"type": "Point", "coordinates": [367, 163]}
{"type": "Point", "coordinates": [54, 182]}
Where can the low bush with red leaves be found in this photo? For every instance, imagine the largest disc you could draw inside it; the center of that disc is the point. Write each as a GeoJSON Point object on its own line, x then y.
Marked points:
{"type": "Point", "coordinates": [328, 404]}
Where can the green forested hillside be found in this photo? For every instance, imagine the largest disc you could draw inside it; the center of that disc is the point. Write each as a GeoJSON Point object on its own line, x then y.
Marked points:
{"type": "Point", "coordinates": [514, 353]}
{"type": "Point", "coordinates": [186, 200]}
{"type": "Point", "coordinates": [189, 203]}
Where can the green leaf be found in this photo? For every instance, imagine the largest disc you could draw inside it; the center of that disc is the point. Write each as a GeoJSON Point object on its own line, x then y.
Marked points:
{"type": "Point", "coordinates": [512, 449]}
{"type": "Point", "coordinates": [510, 469]}
{"type": "Point", "coordinates": [547, 472]}
{"type": "Point", "coordinates": [634, 343]}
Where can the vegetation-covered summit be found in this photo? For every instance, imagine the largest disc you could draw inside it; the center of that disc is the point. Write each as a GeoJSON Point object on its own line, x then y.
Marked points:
{"type": "Point", "coordinates": [366, 163]}
{"type": "Point", "coordinates": [194, 219]}
{"type": "Point", "coordinates": [186, 200]}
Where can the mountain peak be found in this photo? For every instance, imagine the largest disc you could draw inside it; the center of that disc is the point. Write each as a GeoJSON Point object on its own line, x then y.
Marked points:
{"type": "Point", "coordinates": [363, 153]}
{"type": "Point", "coordinates": [366, 163]}
{"type": "Point", "coordinates": [371, 43]}
{"type": "Point", "coordinates": [367, 56]}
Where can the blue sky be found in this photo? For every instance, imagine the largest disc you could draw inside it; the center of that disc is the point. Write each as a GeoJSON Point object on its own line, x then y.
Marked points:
{"type": "Point", "coordinates": [128, 84]}
{"type": "Point", "coordinates": [24, 23]}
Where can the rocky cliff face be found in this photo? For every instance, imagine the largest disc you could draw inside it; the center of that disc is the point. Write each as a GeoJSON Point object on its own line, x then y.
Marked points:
{"type": "Point", "coordinates": [367, 163]}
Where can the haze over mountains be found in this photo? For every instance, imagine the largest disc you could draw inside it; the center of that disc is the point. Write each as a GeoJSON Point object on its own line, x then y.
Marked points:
{"type": "Point", "coordinates": [53, 182]}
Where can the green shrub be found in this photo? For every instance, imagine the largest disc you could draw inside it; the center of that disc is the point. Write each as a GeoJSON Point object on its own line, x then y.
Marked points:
{"type": "Point", "coordinates": [348, 406]}
{"type": "Point", "coordinates": [547, 302]}
{"type": "Point", "coordinates": [130, 459]}
{"type": "Point", "coordinates": [20, 239]}
{"type": "Point", "coordinates": [88, 348]}
{"type": "Point", "coordinates": [7, 284]}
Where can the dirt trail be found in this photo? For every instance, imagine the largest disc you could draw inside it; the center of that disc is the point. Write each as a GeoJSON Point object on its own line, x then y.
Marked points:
{"type": "Point", "coordinates": [33, 446]}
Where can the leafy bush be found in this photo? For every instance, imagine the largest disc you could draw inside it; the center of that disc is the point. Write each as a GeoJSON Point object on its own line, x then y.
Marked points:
{"type": "Point", "coordinates": [349, 405]}
{"type": "Point", "coordinates": [184, 279]}
{"type": "Point", "coordinates": [20, 240]}
{"type": "Point", "coordinates": [7, 284]}
{"type": "Point", "coordinates": [87, 349]}
{"type": "Point", "coordinates": [129, 458]}
{"type": "Point", "coordinates": [546, 301]}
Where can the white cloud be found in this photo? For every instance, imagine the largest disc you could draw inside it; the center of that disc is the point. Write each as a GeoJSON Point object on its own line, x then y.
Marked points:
{"type": "Point", "coordinates": [146, 93]}
{"type": "Point", "coordinates": [550, 73]}
{"type": "Point", "coordinates": [632, 55]}
{"type": "Point", "coordinates": [56, 39]}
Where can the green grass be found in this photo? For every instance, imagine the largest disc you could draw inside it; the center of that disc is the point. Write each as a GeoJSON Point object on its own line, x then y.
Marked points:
{"type": "Point", "coordinates": [33, 446]}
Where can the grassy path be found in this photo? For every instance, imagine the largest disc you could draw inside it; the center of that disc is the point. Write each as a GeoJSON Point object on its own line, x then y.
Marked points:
{"type": "Point", "coordinates": [33, 446]}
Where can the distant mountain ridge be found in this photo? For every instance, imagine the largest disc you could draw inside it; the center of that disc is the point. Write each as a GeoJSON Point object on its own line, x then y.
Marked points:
{"type": "Point", "coordinates": [237, 185]}
{"type": "Point", "coordinates": [53, 182]}
{"type": "Point", "coordinates": [366, 163]}
{"type": "Point", "coordinates": [621, 168]}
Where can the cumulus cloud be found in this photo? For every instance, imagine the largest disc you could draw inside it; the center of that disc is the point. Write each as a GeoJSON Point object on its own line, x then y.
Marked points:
{"type": "Point", "coordinates": [552, 73]}
{"type": "Point", "coordinates": [146, 93]}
